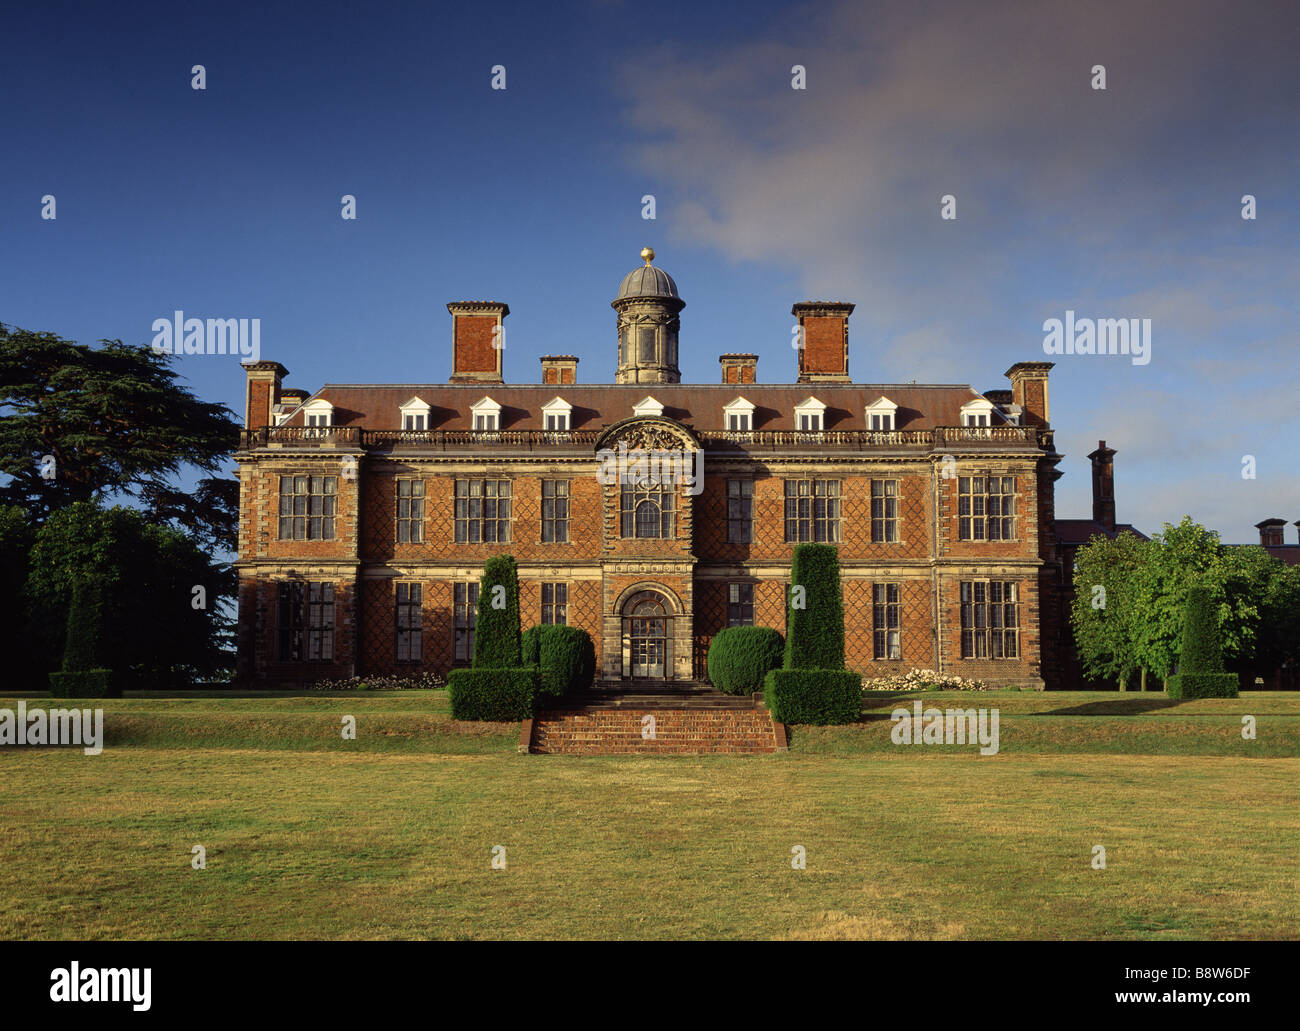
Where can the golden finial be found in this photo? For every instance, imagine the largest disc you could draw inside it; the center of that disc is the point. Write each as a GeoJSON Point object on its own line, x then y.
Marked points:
{"type": "Point", "coordinates": [648, 253]}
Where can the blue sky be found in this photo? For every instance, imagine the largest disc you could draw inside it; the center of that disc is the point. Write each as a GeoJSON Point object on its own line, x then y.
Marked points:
{"type": "Point", "coordinates": [1117, 204]}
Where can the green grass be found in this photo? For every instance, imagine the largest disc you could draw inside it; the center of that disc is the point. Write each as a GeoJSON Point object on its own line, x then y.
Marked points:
{"type": "Point", "coordinates": [309, 836]}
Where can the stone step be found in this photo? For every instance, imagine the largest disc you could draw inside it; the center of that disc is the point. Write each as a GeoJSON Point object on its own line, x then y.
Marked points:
{"type": "Point", "coordinates": [613, 730]}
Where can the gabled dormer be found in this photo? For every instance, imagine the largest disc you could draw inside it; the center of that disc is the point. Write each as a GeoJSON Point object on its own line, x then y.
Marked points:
{"type": "Point", "coordinates": [738, 416]}
{"type": "Point", "coordinates": [556, 415]}
{"type": "Point", "coordinates": [978, 411]}
{"type": "Point", "coordinates": [485, 415]}
{"type": "Point", "coordinates": [810, 415]}
{"type": "Point", "coordinates": [648, 406]}
{"type": "Point", "coordinates": [881, 414]}
{"type": "Point", "coordinates": [318, 412]}
{"type": "Point", "coordinates": [415, 414]}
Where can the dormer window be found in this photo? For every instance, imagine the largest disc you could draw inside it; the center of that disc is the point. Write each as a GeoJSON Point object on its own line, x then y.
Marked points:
{"type": "Point", "coordinates": [977, 412]}
{"type": "Point", "coordinates": [880, 415]}
{"type": "Point", "coordinates": [318, 413]}
{"type": "Point", "coordinates": [415, 414]}
{"type": "Point", "coordinates": [809, 415]}
{"type": "Point", "coordinates": [738, 416]}
{"type": "Point", "coordinates": [648, 406]}
{"type": "Point", "coordinates": [556, 415]}
{"type": "Point", "coordinates": [485, 416]}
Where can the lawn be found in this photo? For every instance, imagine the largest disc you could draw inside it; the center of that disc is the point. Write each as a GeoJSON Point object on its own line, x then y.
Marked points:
{"type": "Point", "coordinates": [310, 836]}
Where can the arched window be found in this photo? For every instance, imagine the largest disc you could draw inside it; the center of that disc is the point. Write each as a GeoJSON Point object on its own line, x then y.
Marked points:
{"type": "Point", "coordinates": [647, 519]}
{"type": "Point", "coordinates": [648, 511]}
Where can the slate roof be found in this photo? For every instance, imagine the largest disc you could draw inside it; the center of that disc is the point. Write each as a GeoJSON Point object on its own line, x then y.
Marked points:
{"type": "Point", "coordinates": [596, 405]}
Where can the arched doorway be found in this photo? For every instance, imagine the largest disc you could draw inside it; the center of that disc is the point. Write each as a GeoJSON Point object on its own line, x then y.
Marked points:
{"type": "Point", "coordinates": [647, 636]}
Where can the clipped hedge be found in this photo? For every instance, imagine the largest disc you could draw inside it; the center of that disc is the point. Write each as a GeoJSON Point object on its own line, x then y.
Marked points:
{"type": "Point", "coordinates": [84, 683]}
{"type": "Point", "coordinates": [565, 654]}
{"type": "Point", "coordinates": [815, 629]}
{"type": "Point", "coordinates": [740, 657]}
{"type": "Point", "coordinates": [499, 695]}
{"type": "Point", "coordinates": [1201, 650]}
{"type": "Point", "coordinates": [1203, 685]}
{"type": "Point", "coordinates": [496, 632]}
{"type": "Point", "coordinates": [820, 696]}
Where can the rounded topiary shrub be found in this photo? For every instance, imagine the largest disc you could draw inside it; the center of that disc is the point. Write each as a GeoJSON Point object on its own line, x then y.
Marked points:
{"type": "Point", "coordinates": [740, 657]}
{"type": "Point", "coordinates": [565, 653]}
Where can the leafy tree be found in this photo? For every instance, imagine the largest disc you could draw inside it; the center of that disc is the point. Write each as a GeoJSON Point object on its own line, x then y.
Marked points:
{"type": "Point", "coordinates": [1253, 599]}
{"type": "Point", "coordinates": [1105, 614]}
{"type": "Point", "coordinates": [143, 578]}
{"type": "Point", "coordinates": [16, 535]}
{"type": "Point", "coordinates": [113, 420]}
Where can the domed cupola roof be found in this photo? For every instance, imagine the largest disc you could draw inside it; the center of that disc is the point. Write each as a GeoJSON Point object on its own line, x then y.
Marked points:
{"type": "Point", "coordinates": [647, 281]}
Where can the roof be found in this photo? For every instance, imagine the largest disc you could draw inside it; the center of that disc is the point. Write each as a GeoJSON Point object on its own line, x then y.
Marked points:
{"type": "Point", "coordinates": [597, 405]}
{"type": "Point", "coordinates": [1080, 531]}
{"type": "Point", "coordinates": [647, 281]}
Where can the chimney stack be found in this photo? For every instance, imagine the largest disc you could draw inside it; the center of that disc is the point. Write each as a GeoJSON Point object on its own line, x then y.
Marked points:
{"type": "Point", "coordinates": [558, 369]}
{"type": "Point", "coordinates": [262, 392]}
{"type": "Point", "coordinates": [477, 340]}
{"type": "Point", "coordinates": [1103, 486]}
{"type": "Point", "coordinates": [824, 356]}
{"type": "Point", "coordinates": [1270, 532]}
{"type": "Point", "coordinates": [1029, 391]}
{"type": "Point", "coordinates": [739, 368]}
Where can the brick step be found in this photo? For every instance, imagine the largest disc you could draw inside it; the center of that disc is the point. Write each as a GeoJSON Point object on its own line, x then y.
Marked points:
{"type": "Point", "coordinates": [618, 730]}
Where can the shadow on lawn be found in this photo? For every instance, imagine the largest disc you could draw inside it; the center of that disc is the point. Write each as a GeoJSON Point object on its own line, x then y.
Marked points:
{"type": "Point", "coordinates": [1114, 707]}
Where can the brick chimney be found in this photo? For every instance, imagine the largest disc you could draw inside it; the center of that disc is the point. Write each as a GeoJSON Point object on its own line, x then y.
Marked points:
{"type": "Point", "coordinates": [262, 392]}
{"type": "Point", "coordinates": [1103, 486]}
{"type": "Point", "coordinates": [559, 369]}
{"type": "Point", "coordinates": [739, 368]}
{"type": "Point", "coordinates": [1270, 532]}
{"type": "Point", "coordinates": [477, 340]}
{"type": "Point", "coordinates": [824, 357]}
{"type": "Point", "coordinates": [1029, 391]}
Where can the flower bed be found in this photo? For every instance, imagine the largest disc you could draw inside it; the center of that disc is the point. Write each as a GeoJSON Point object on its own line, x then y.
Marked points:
{"type": "Point", "coordinates": [923, 680]}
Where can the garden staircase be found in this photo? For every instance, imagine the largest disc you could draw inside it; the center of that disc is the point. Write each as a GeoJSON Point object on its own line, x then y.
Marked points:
{"type": "Point", "coordinates": [685, 718]}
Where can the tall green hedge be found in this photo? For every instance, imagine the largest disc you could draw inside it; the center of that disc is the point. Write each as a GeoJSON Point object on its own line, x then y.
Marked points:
{"type": "Point", "coordinates": [565, 654]}
{"type": "Point", "coordinates": [496, 633]}
{"type": "Point", "coordinates": [740, 657]}
{"type": "Point", "coordinates": [1201, 650]}
{"type": "Point", "coordinates": [1200, 659]}
{"type": "Point", "coordinates": [815, 628]}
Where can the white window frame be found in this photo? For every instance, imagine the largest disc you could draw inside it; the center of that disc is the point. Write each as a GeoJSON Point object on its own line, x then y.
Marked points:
{"type": "Point", "coordinates": [977, 412]}
{"type": "Point", "coordinates": [881, 415]}
{"type": "Point", "coordinates": [415, 414]}
{"type": "Point", "coordinates": [557, 411]}
{"type": "Point", "coordinates": [318, 414]}
{"type": "Point", "coordinates": [485, 416]}
{"type": "Point", "coordinates": [814, 412]}
{"type": "Point", "coordinates": [741, 412]}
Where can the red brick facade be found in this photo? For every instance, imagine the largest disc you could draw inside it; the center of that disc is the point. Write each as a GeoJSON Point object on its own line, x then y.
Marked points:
{"type": "Point", "coordinates": [606, 571]}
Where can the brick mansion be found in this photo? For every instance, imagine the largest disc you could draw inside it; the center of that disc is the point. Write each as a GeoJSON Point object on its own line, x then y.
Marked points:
{"type": "Point", "coordinates": [367, 511]}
